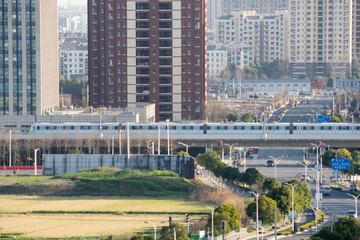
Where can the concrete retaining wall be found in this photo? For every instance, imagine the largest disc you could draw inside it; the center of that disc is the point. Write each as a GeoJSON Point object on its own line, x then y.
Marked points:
{"type": "Point", "coordinates": [68, 163]}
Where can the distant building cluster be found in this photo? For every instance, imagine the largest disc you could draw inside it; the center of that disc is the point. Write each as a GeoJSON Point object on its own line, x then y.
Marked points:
{"type": "Point", "coordinates": [316, 38]}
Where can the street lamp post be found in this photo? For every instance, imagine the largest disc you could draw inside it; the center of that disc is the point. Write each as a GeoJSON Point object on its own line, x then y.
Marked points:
{"type": "Point", "coordinates": [244, 152]}
{"type": "Point", "coordinates": [10, 132]}
{"type": "Point", "coordinates": [292, 202]}
{"type": "Point", "coordinates": [35, 160]}
{"type": "Point", "coordinates": [168, 135]}
{"type": "Point", "coordinates": [316, 217]}
{"type": "Point", "coordinates": [355, 198]}
{"type": "Point", "coordinates": [317, 114]}
{"type": "Point", "coordinates": [313, 118]}
{"type": "Point", "coordinates": [275, 162]}
{"type": "Point", "coordinates": [212, 219]}
{"type": "Point", "coordinates": [230, 146]}
{"type": "Point", "coordinates": [257, 213]}
{"type": "Point", "coordinates": [305, 165]}
{"type": "Point", "coordinates": [186, 146]}
{"type": "Point", "coordinates": [317, 175]}
{"type": "Point", "coordinates": [155, 226]}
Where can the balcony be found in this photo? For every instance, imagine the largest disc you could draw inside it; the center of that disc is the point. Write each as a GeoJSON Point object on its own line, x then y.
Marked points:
{"type": "Point", "coordinates": [163, 34]}
{"type": "Point", "coordinates": [165, 62]}
{"type": "Point", "coordinates": [165, 71]}
{"type": "Point", "coordinates": [142, 62]}
{"type": "Point", "coordinates": [142, 43]}
{"type": "Point", "coordinates": [144, 90]}
{"type": "Point", "coordinates": [142, 25]}
{"type": "Point", "coordinates": [142, 6]}
{"type": "Point", "coordinates": [165, 89]}
{"type": "Point", "coordinates": [142, 98]}
{"type": "Point", "coordinates": [142, 53]}
{"type": "Point", "coordinates": [142, 34]}
{"type": "Point", "coordinates": [165, 52]}
{"type": "Point", "coordinates": [165, 6]}
{"type": "Point", "coordinates": [165, 15]}
{"type": "Point", "coordinates": [142, 15]}
{"type": "Point", "coordinates": [142, 80]}
{"type": "Point", "coordinates": [165, 108]}
{"type": "Point", "coordinates": [165, 80]}
{"type": "Point", "coordinates": [165, 24]}
{"type": "Point", "coordinates": [142, 71]}
{"type": "Point", "coordinates": [167, 43]}
{"type": "Point", "coordinates": [165, 99]}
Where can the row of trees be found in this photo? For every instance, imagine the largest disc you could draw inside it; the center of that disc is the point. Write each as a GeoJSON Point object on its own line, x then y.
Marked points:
{"type": "Point", "coordinates": [343, 153]}
{"type": "Point", "coordinates": [344, 229]}
{"type": "Point", "coordinates": [278, 196]}
{"type": "Point", "coordinates": [276, 69]}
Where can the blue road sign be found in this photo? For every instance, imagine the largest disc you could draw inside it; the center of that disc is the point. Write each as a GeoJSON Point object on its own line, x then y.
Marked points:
{"type": "Point", "coordinates": [323, 119]}
{"type": "Point", "coordinates": [340, 164]}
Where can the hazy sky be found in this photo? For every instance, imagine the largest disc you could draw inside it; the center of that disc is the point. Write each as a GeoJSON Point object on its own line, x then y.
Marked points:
{"type": "Point", "coordinates": [73, 2]}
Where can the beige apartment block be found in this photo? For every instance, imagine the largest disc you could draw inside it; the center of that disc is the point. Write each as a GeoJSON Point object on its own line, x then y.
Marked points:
{"type": "Point", "coordinates": [321, 43]}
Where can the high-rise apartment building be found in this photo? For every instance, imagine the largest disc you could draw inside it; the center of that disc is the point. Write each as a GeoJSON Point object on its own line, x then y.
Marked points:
{"type": "Point", "coordinates": [321, 38]}
{"type": "Point", "coordinates": [29, 69]}
{"type": "Point", "coordinates": [152, 51]}
{"type": "Point", "coordinates": [356, 31]}
{"type": "Point", "coordinates": [264, 36]}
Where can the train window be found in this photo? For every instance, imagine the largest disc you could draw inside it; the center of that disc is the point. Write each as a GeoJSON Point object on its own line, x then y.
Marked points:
{"type": "Point", "coordinates": [55, 127]}
{"type": "Point", "coordinates": [153, 127]}
{"type": "Point", "coordinates": [116, 127]}
{"type": "Point", "coordinates": [188, 127]}
{"type": "Point", "coordinates": [47, 127]}
{"type": "Point", "coordinates": [357, 128]}
{"type": "Point", "coordinates": [326, 128]}
{"type": "Point", "coordinates": [239, 127]}
{"type": "Point", "coordinates": [277, 128]}
{"type": "Point", "coordinates": [84, 127]}
{"type": "Point", "coordinates": [105, 127]}
{"type": "Point", "coordinates": [72, 127]}
{"type": "Point", "coordinates": [256, 127]}
{"type": "Point", "coordinates": [287, 128]}
{"type": "Point", "coordinates": [38, 127]}
{"type": "Point", "coordinates": [343, 128]}
{"type": "Point", "coordinates": [172, 127]}
{"type": "Point", "coordinates": [221, 127]}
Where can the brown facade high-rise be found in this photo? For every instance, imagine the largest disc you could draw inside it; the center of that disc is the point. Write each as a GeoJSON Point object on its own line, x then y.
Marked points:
{"type": "Point", "coordinates": [144, 52]}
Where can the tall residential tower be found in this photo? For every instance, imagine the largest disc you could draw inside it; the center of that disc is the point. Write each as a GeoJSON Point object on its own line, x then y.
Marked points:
{"type": "Point", "coordinates": [29, 69]}
{"type": "Point", "coordinates": [321, 38]}
{"type": "Point", "coordinates": [148, 51]}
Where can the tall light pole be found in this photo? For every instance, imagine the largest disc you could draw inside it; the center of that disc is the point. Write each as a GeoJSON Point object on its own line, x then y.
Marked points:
{"type": "Point", "coordinates": [355, 198]}
{"type": "Point", "coordinates": [244, 152]}
{"type": "Point", "coordinates": [316, 217]}
{"type": "Point", "coordinates": [10, 132]}
{"type": "Point", "coordinates": [317, 114]}
{"type": "Point", "coordinates": [230, 147]}
{"type": "Point", "coordinates": [159, 140]}
{"type": "Point", "coordinates": [168, 135]}
{"type": "Point", "coordinates": [305, 165]}
{"type": "Point", "coordinates": [128, 143]}
{"type": "Point", "coordinates": [275, 162]}
{"type": "Point", "coordinates": [292, 202]}
{"type": "Point", "coordinates": [186, 146]}
{"type": "Point", "coordinates": [120, 137]}
{"type": "Point", "coordinates": [155, 226]}
{"type": "Point", "coordinates": [257, 213]}
{"type": "Point", "coordinates": [35, 157]}
{"type": "Point", "coordinates": [317, 174]}
{"type": "Point", "coordinates": [212, 219]}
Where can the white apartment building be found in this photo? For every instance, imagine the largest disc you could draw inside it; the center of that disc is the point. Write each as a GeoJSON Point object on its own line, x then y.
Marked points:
{"type": "Point", "coordinates": [225, 29]}
{"type": "Point", "coordinates": [264, 37]}
{"type": "Point", "coordinates": [321, 38]}
{"type": "Point", "coordinates": [216, 61]}
{"type": "Point", "coordinates": [237, 55]}
{"type": "Point", "coordinates": [74, 61]}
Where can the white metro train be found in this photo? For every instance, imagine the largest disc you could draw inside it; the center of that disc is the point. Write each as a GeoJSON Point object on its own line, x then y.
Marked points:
{"type": "Point", "coordinates": [199, 128]}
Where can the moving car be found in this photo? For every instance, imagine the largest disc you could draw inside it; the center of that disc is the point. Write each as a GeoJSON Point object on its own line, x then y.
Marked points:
{"type": "Point", "coordinates": [351, 214]}
{"type": "Point", "coordinates": [270, 163]}
{"type": "Point", "coordinates": [305, 177]}
{"type": "Point", "coordinates": [325, 190]}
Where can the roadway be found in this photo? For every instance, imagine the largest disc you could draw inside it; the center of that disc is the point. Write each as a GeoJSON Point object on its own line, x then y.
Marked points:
{"type": "Point", "coordinates": [338, 203]}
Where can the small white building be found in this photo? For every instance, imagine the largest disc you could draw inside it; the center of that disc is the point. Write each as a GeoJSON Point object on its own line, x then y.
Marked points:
{"type": "Point", "coordinates": [73, 60]}
{"type": "Point", "coordinates": [216, 61]}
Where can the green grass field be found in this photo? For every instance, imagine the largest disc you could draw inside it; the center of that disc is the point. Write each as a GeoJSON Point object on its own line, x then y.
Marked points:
{"type": "Point", "coordinates": [13, 219]}
{"type": "Point", "coordinates": [102, 202]}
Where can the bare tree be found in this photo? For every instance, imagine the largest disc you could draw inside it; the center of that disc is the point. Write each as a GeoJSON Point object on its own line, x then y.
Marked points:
{"type": "Point", "coordinates": [216, 111]}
